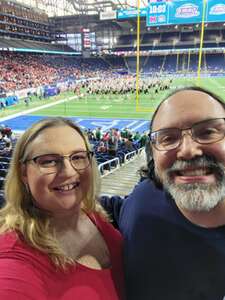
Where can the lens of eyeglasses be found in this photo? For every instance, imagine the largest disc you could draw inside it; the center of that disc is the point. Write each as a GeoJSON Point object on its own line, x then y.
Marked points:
{"type": "Point", "coordinates": [80, 160]}
{"type": "Point", "coordinates": [166, 139]}
{"type": "Point", "coordinates": [209, 131]}
{"type": "Point", "coordinates": [48, 163]}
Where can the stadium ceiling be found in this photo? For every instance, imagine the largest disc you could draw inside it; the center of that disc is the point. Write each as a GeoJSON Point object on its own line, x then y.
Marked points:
{"type": "Point", "coordinates": [87, 7]}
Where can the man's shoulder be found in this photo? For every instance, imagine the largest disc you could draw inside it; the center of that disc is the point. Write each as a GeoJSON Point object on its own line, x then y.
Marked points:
{"type": "Point", "coordinates": [145, 189]}
{"type": "Point", "coordinates": [113, 206]}
{"type": "Point", "coordinates": [145, 198]}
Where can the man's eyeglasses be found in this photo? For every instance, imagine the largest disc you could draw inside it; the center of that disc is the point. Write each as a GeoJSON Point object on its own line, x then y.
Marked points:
{"type": "Point", "coordinates": [52, 163]}
{"type": "Point", "coordinates": [204, 132]}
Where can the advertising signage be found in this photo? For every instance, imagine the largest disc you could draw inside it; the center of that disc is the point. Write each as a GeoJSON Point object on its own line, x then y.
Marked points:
{"type": "Point", "coordinates": [131, 13]}
{"type": "Point", "coordinates": [174, 12]}
{"type": "Point", "coordinates": [216, 11]}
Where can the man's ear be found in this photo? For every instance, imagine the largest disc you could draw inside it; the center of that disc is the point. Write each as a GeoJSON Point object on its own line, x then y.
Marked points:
{"type": "Point", "coordinates": [23, 172]}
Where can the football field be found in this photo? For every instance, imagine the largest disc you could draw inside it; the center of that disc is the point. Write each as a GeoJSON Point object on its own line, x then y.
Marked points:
{"type": "Point", "coordinates": [124, 106]}
{"type": "Point", "coordinates": [112, 107]}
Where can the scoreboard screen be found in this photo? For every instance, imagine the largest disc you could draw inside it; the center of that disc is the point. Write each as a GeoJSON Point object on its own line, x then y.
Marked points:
{"type": "Point", "coordinates": [89, 39]}
{"type": "Point", "coordinates": [168, 12]}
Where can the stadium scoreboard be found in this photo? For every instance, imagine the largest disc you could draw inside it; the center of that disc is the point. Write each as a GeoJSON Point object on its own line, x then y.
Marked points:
{"type": "Point", "coordinates": [172, 12]}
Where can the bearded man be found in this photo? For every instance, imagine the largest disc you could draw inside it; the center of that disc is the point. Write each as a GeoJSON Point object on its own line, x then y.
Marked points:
{"type": "Point", "coordinates": [174, 222]}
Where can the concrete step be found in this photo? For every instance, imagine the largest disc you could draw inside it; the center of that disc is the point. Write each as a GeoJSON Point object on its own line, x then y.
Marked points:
{"type": "Point", "coordinates": [122, 181]}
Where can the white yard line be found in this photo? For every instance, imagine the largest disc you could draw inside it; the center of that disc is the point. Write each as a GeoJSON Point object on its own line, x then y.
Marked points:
{"type": "Point", "coordinates": [141, 124]}
{"type": "Point", "coordinates": [35, 109]}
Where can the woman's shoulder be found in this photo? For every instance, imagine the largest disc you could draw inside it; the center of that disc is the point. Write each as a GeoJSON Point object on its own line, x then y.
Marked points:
{"type": "Point", "coordinates": [21, 271]}
{"type": "Point", "coordinates": [13, 247]}
{"type": "Point", "coordinates": [9, 240]}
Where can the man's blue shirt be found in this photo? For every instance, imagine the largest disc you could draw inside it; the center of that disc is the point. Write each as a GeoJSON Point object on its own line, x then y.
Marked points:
{"type": "Point", "coordinates": [166, 256]}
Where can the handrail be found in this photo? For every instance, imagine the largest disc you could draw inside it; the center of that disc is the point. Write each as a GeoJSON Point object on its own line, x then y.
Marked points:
{"type": "Point", "coordinates": [131, 154]}
{"type": "Point", "coordinates": [109, 162]}
{"type": "Point", "coordinates": [140, 150]}
{"type": "Point", "coordinates": [127, 159]}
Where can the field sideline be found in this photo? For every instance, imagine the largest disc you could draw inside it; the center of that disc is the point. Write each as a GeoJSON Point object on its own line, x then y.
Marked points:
{"type": "Point", "coordinates": [110, 106]}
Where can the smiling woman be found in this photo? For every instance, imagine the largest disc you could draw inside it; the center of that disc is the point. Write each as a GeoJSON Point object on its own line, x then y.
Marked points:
{"type": "Point", "coordinates": [56, 241]}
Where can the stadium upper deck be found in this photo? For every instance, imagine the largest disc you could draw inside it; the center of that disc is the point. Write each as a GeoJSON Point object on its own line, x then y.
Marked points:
{"type": "Point", "coordinates": [87, 29]}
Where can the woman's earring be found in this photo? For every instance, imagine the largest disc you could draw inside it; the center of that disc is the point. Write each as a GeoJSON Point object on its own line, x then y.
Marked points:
{"type": "Point", "coordinates": [27, 188]}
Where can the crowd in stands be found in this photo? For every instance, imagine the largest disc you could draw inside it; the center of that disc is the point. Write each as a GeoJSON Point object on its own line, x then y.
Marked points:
{"type": "Point", "coordinates": [7, 142]}
{"type": "Point", "coordinates": [21, 71]}
{"type": "Point", "coordinates": [24, 70]}
{"type": "Point", "coordinates": [115, 143]}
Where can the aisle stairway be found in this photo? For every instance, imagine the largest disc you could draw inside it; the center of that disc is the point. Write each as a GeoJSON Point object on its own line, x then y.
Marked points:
{"type": "Point", "coordinates": [122, 181]}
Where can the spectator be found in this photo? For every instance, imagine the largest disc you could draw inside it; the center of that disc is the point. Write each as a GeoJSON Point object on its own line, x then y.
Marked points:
{"type": "Point", "coordinates": [137, 136]}
{"type": "Point", "coordinates": [101, 148]}
{"type": "Point", "coordinates": [112, 143]}
{"type": "Point", "coordinates": [5, 144]}
{"type": "Point", "coordinates": [98, 134]}
{"type": "Point", "coordinates": [174, 224]}
{"type": "Point", "coordinates": [128, 143]}
{"type": "Point", "coordinates": [56, 242]}
{"type": "Point", "coordinates": [143, 139]}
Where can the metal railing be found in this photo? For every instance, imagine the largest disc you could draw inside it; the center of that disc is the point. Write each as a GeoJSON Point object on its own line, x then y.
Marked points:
{"type": "Point", "coordinates": [112, 165]}
{"type": "Point", "coordinates": [130, 155]}
{"type": "Point", "coordinates": [109, 166]}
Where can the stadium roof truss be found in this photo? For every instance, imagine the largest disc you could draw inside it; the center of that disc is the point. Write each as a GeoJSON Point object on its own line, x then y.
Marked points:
{"type": "Point", "coordinates": [71, 7]}
{"type": "Point", "coordinates": [102, 5]}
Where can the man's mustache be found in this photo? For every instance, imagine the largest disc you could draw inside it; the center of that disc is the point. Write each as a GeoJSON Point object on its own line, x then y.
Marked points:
{"type": "Point", "coordinates": [204, 162]}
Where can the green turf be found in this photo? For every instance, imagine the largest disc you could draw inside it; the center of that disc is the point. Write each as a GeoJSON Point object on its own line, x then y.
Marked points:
{"type": "Point", "coordinates": [111, 106]}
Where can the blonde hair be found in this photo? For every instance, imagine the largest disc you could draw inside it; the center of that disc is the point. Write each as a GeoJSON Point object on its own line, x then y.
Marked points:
{"type": "Point", "coordinates": [21, 215]}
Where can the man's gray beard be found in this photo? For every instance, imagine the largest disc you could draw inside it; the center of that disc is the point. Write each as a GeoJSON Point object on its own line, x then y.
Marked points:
{"type": "Point", "coordinates": [197, 196]}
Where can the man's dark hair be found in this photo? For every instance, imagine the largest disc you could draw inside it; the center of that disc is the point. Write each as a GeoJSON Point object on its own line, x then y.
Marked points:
{"type": "Point", "coordinates": [151, 164]}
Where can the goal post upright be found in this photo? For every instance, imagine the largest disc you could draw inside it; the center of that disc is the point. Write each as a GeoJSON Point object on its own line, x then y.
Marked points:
{"type": "Point", "coordinates": [201, 41]}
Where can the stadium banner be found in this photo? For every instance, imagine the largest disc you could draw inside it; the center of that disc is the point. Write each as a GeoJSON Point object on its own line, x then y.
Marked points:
{"type": "Point", "coordinates": [215, 11]}
{"type": "Point", "coordinates": [185, 12]}
{"type": "Point", "coordinates": [23, 93]}
{"type": "Point", "coordinates": [167, 12]}
{"type": "Point", "coordinates": [108, 15]}
{"type": "Point", "coordinates": [50, 90]}
{"type": "Point", "coordinates": [8, 101]}
{"type": "Point", "coordinates": [131, 13]}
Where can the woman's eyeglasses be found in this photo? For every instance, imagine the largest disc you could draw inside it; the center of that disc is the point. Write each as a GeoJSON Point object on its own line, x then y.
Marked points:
{"type": "Point", "coordinates": [52, 163]}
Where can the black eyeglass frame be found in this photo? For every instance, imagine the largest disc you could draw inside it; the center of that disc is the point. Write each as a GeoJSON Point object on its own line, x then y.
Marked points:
{"type": "Point", "coordinates": [152, 140]}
